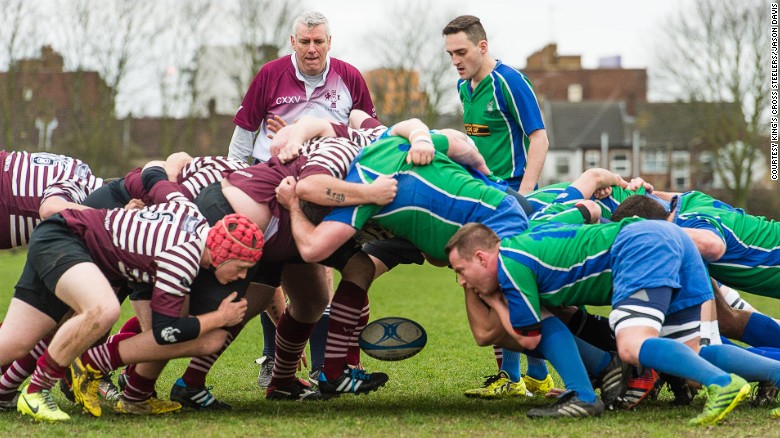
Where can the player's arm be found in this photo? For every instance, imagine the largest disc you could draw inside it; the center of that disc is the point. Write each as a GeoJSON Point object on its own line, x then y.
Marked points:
{"type": "Point", "coordinates": [55, 204]}
{"type": "Point", "coordinates": [288, 141]}
{"type": "Point", "coordinates": [709, 243]}
{"type": "Point", "coordinates": [327, 190]}
{"type": "Point", "coordinates": [175, 163]}
{"type": "Point", "coordinates": [463, 150]}
{"type": "Point", "coordinates": [421, 151]}
{"type": "Point", "coordinates": [537, 152]}
{"type": "Point", "coordinates": [594, 179]}
{"type": "Point", "coordinates": [314, 242]}
{"type": "Point", "coordinates": [488, 317]}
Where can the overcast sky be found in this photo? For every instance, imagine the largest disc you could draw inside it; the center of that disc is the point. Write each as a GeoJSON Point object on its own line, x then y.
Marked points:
{"type": "Point", "coordinates": [517, 28]}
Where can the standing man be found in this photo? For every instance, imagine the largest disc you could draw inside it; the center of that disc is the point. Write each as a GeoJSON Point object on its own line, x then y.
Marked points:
{"type": "Point", "coordinates": [307, 82]}
{"type": "Point", "coordinates": [501, 115]}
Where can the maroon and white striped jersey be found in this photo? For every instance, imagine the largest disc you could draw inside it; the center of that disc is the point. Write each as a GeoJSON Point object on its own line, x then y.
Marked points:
{"type": "Point", "coordinates": [27, 179]}
{"type": "Point", "coordinates": [196, 175]}
{"type": "Point", "coordinates": [160, 245]}
{"type": "Point", "coordinates": [369, 131]}
{"type": "Point", "coordinates": [202, 172]}
{"type": "Point", "coordinates": [334, 154]}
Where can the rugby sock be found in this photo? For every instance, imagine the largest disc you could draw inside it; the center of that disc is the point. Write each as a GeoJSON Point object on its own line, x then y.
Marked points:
{"type": "Point", "coordinates": [511, 364]}
{"type": "Point", "coordinates": [353, 351]}
{"type": "Point", "coordinates": [317, 340]}
{"type": "Point", "coordinates": [132, 325]}
{"type": "Point", "coordinates": [345, 316]}
{"type": "Point", "coordinates": [733, 299]}
{"type": "Point", "coordinates": [594, 359]}
{"type": "Point", "coordinates": [47, 373]}
{"type": "Point", "coordinates": [291, 337]}
{"type": "Point", "coordinates": [138, 388]}
{"type": "Point", "coordinates": [537, 368]}
{"type": "Point", "coordinates": [675, 358]}
{"type": "Point", "coordinates": [269, 335]}
{"type": "Point", "coordinates": [761, 331]}
{"type": "Point", "coordinates": [557, 345]}
{"type": "Point", "coordinates": [195, 374]}
{"type": "Point", "coordinates": [769, 352]}
{"type": "Point", "coordinates": [20, 370]}
{"type": "Point", "coordinates": [747, 365]}
{"type": "Point", "coordinates": [498, 352]}
{"type": "Point", "coordinates": [105, 357]}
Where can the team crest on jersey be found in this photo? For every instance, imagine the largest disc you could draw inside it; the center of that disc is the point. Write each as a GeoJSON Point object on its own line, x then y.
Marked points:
{"type": "Point", "coordinates": [332, 97]}
{"type": "Point", "coordinates": [82, 171]}
{"type": "Point", "coordinates": [189, 224]}
{"type": "Point", "coordinates": [491, 112]}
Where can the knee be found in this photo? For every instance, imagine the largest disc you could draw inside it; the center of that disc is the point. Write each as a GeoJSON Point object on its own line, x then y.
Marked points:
{"type": "Point", "coordinates": [103, 316]}
{"type": "Point", "coordinates": [212, 342]}
{"type": "Point", "coordinates": [629, 351]}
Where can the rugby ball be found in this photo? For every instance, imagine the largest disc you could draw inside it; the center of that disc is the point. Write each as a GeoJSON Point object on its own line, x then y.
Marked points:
{"type": "Point", "coordinates": [392, 338]}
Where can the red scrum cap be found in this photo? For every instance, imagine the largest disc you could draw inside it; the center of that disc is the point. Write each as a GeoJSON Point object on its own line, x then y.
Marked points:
{"type": "Point", "coordinates": [235, 237]}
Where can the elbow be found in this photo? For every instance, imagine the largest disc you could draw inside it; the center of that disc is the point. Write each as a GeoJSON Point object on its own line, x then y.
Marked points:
{"type": "Point", "coordinates": [47, 209]}
{"type": "Point", "coordinates": [312, 254]}
{"type": "Point", "coordinates": [713, 250]}
{"type": "Point", "coordinates": [482, 339]}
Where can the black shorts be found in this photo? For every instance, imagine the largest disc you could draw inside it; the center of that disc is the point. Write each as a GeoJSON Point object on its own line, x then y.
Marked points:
{"type": "Point", "coordinates": [111, 195]}
{"type": "Point", "coordinates": [393, 252]}
{"type": "Point", "coordinates": [212, 203]}
{"type": "Point", "coordinates": [54, 249]}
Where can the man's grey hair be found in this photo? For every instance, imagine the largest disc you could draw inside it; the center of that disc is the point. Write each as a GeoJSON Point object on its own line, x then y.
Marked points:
{"type": "Point", "coordinates": [311, 19]}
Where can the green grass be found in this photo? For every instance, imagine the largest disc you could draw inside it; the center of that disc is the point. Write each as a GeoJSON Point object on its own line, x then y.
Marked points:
{"type": "Point", "coordinates": [423, 397]}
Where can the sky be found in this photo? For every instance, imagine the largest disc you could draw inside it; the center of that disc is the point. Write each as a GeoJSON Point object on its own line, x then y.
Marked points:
{"type": "Point", "coordinates": [517, 28]}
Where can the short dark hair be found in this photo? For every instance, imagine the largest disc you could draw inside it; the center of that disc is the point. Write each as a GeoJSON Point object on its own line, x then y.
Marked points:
{"type": "Point", "coordinates": [641, 206]}
{"type": "Point", "coordinates": [470, 238]}
{"type": "Point", "coordinates": [468, 24]}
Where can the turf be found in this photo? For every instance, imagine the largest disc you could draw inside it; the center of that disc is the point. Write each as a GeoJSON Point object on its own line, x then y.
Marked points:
{"type": "Point", "coordinates": [423, 397]}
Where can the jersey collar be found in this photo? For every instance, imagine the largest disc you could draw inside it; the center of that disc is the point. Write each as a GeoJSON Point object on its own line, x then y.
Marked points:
{"type": "Point", "coordinates": [299, 75]}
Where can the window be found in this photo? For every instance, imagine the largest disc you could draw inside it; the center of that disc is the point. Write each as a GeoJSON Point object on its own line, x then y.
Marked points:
{"type": "Point", "coordinates": [575, 93]}
{"type": "Point", "coordinates": [592, 159]}
{"type": "Point", "coordinates": [561, 166]}
{"type": "Point", "coordinates": [620, 164]}
{"type": "Point", "coordinates": [680, 170]}
{"type": "Point", "coordinates": [655, 161]}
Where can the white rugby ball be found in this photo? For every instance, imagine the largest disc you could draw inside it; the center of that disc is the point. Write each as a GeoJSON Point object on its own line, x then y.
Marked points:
{"type": "Point", "coordinates": [392, 338]}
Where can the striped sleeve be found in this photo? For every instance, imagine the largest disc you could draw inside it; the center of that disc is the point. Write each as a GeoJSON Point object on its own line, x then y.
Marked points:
{"type": "Point", "coordinates": [177, 267]}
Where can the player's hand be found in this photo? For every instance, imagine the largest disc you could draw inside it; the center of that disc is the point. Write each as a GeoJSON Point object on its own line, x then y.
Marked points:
{"type": "Point", "coordinates": [289, 152]}
{"type": "Point", "coordinates": [274, 124]}
{"type": "Point", "coordinates": [135, 204]}
{"type": "Point", "coordinates": [383, 189]}
{"type": "Point", "coordinates": [638, 182]}
{"type": "Point", "coordinates": [602, 193]}
{"type": "Point", "coordinates": [420, 153]}
{"type": "Point", "coordinates": [233, 312]}
{"type": "Point", "coordinates": [285, 192]}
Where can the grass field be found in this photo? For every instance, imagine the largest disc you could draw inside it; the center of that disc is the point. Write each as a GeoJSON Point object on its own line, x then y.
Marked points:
{"type": "Point", "coordinates": [423, 397]}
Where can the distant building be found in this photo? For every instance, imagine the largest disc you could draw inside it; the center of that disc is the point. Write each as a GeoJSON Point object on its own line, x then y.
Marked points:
{"type": "Point", "coordinates": [396, 93]}
{"type": "Point", "coordinates": [42, 103]}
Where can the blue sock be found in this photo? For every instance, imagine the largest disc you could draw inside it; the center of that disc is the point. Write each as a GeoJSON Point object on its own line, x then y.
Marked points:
{"type": "Point", "coordinates": [537, 368]}
{"type": "Point", "coordinates": [558, 346]}
{"type": "Point", "coordinates": [672, 357]}
{"type": "Point", "coordinates": [768, 352]}
{"type": "Point", "coordinates": [269, 335]}
{"type": "Point", "coordinates": [594, 359]}
{"type": "Point", "coordinates": [317, 340]}
{"type": "Point", "coordinates": [747, 365]}
{"type": "Point", "coordinates": [511, 364]}
{"type": "Point", "coordinates": [761, 331]}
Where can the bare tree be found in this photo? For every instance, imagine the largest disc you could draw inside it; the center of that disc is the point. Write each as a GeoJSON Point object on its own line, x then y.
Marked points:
{"type": "Point", "coordinates": [713, 58]}
{"type": "Point", "coordinates": [18, 37]}
{"type": "Point", "coordinates": [414, 76]}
